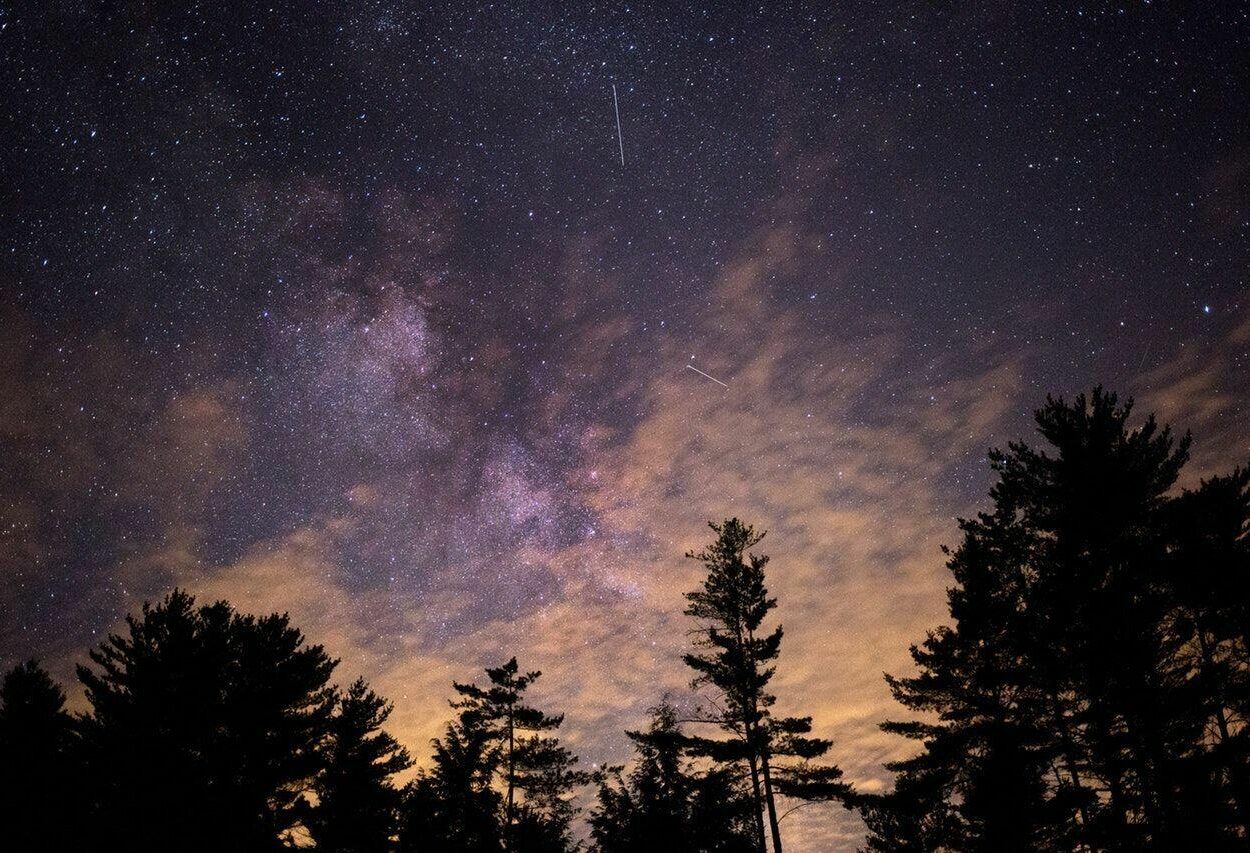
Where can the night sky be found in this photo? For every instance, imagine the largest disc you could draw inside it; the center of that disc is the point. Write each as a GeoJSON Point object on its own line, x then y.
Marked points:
{"type": "Point", "coordinates": [352, 310]}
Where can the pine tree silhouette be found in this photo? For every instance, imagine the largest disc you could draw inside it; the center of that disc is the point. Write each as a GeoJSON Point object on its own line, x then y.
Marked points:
{"type": "Point", "coordinates": [1209, 585]}
{"type": "Point", "coordinates": [38, 763]}
{"type": "Point", "coordinates": [531, 764]}
{"type": "Point", "coordinates": [497, 739]}
{"type": "Point", "coordinates": [916, 817]}
{"type": "Point", "coordinates": [1089, 655]}
{"type": "Point", "coordinates": [453, 808]}
{"type": "Point", "coordinates": [357, 807]}
{"type": "Point", "coordinates": [735, 658]}
{"type": "Point", "coordinates": [205, 728]}
{"type": "Point", "coordinates": [665, 803]}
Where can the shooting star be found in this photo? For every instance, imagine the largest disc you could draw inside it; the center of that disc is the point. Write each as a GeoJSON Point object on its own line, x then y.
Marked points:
{"type": "Point", "coordinates": [701, 373]}
{"type": "Point", "coordinates": [620, 140]}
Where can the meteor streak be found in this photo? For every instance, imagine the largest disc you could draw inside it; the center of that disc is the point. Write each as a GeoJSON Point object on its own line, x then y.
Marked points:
{"type": "Point", "coordinates": [619, 139]}
{"type": "Point", "coordinates": [701, 373]}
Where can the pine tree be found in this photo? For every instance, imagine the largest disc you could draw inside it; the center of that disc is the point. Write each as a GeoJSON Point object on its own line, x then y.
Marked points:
{"type": "Point", "coordinates": [453, 808]}
{"type": "Point", "coordinates": [1070, 699]}
{"type": "Point", "coordinates": [738, 660]}
{"type": "Point", "coordinates": [916, 817]}
{"type": "Point", "coordinates": [37, 762]}
{"type": "Point", "coordinates": [1093, 509]}
{"type": "Point", "coordinates": [721, 812]}
{"type": "Point", "coordinates": [664, 803]}
{"type": "Point", "coordinates": [357, 807]}
{"type": "Point", "coordinates": [1209, 582]}
{"type": "Point", "coordinates": [989, 752]}
{"type": "Point", "coordinates": [546, 776]}
{"type": "Point", "coordinates": [536, 773]}
{"type": "Point", "coordinates": [203, 717]}
{"type": "Point", "coordinates": [650, 808]}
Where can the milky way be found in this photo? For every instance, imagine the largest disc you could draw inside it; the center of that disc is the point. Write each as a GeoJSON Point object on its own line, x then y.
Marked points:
{"type": "Point", "coordinates": [354, 311]}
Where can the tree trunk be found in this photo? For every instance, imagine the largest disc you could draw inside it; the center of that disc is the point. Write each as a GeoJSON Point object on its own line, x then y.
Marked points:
{"type": "Point", "coordinates": [1069, 759]}
{"type": "Point", "coordinates": [772, 806]}
{"type": "Point", "coordinates": [1236, 770]}
{"type": "Point", "coordinates": [749, 727]}
{"type": "Point", "coordinates": [507, 832]}
{"type": "Point", "coordinates": [759, 804]}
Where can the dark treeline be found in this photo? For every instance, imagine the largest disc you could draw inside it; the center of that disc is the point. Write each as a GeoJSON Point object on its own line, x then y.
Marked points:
{"type": "Point", "coordinates": [1090, 693]}
{"type": "Point", "coordinates": [212, 730]}
{"type": "Point", "coordinates": [1091, 690]}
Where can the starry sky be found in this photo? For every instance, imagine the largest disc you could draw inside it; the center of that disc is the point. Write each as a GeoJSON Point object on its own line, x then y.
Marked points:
{"type": "Point", "coordinates": [351, 310]}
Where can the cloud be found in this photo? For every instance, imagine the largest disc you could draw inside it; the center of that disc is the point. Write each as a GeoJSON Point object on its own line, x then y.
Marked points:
{"type": "Point", "coordinates": [442, 501]}
{"type": "Point", "coordinates": [857, 504]}
{"type": "Point", "coordinates": [1203, 389]}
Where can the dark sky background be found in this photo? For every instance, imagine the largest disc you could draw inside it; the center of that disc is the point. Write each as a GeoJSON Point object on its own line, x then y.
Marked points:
{"type": "Point", "coordinates": [352, 310]}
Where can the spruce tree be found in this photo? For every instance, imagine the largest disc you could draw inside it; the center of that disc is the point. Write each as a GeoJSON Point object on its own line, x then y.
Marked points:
{"type": "Point", "coordinates": [737, 657]}
{"type": "Point", "coordinates": [38, 772]}
{"type": "Point", "coordinates": [357, 807]}
{"type": "Point", "coordinates": [665, 803]}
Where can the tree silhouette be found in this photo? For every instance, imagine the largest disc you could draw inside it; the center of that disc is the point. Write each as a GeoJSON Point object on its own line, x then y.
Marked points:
{"type": "Point", "coordinates": [1094, 646]}
{"type": "Point", "coordinates": [453, 808]}
{"type": "Point", "coordinates": [1207, 573]}
{"type": "Point", "coordinates": [205, 730]}
{"type": "Point", "coordinates": [1090, 692]}
{"type": "Point", "coordinates": [37, 762]}
{"type": "Point", "coordinates": [735, 658]}
{"type": "Point", "coordinates": [530, 764]}
{"type": "Point", "coordinates": [916, 817]}
{"type": "Point", "coordinates": [546, 775]}
{"type": "Point", "coordinates": [984, 754]}
{"type": "Point", "coordinates": [664, 803]}
{"type": "Point", "coordinates": [357, 807]}
{"type": "Point", "coordinates": [651, 808]}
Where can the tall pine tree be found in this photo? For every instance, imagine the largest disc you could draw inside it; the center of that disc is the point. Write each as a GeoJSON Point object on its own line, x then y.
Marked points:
{"type": "Point", "coordinates": [536, 773]}
{"type": "Point", "coordinates": [1076, 698]}
{"type": "Point", "coordinates": [737, 657]}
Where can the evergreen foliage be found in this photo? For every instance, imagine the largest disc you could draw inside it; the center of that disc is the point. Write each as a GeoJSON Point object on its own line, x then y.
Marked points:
{"type": "Point", "coordinates": [1090, 690]}
{"type": "Point", "coordinates": [203, 717]}
{"type": "Point", "coordinates": [666, 803]}
{"type": "Point", "coordinates": [453, 807]}
{"type": "Point", "coordinates": [738, 658]}
{"type": "Point", "coordinates": [38, 748]}
{"type": "Point", "coordinates": [500, 780]}
{"type": "Point", "coordinates": [357, 807]}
